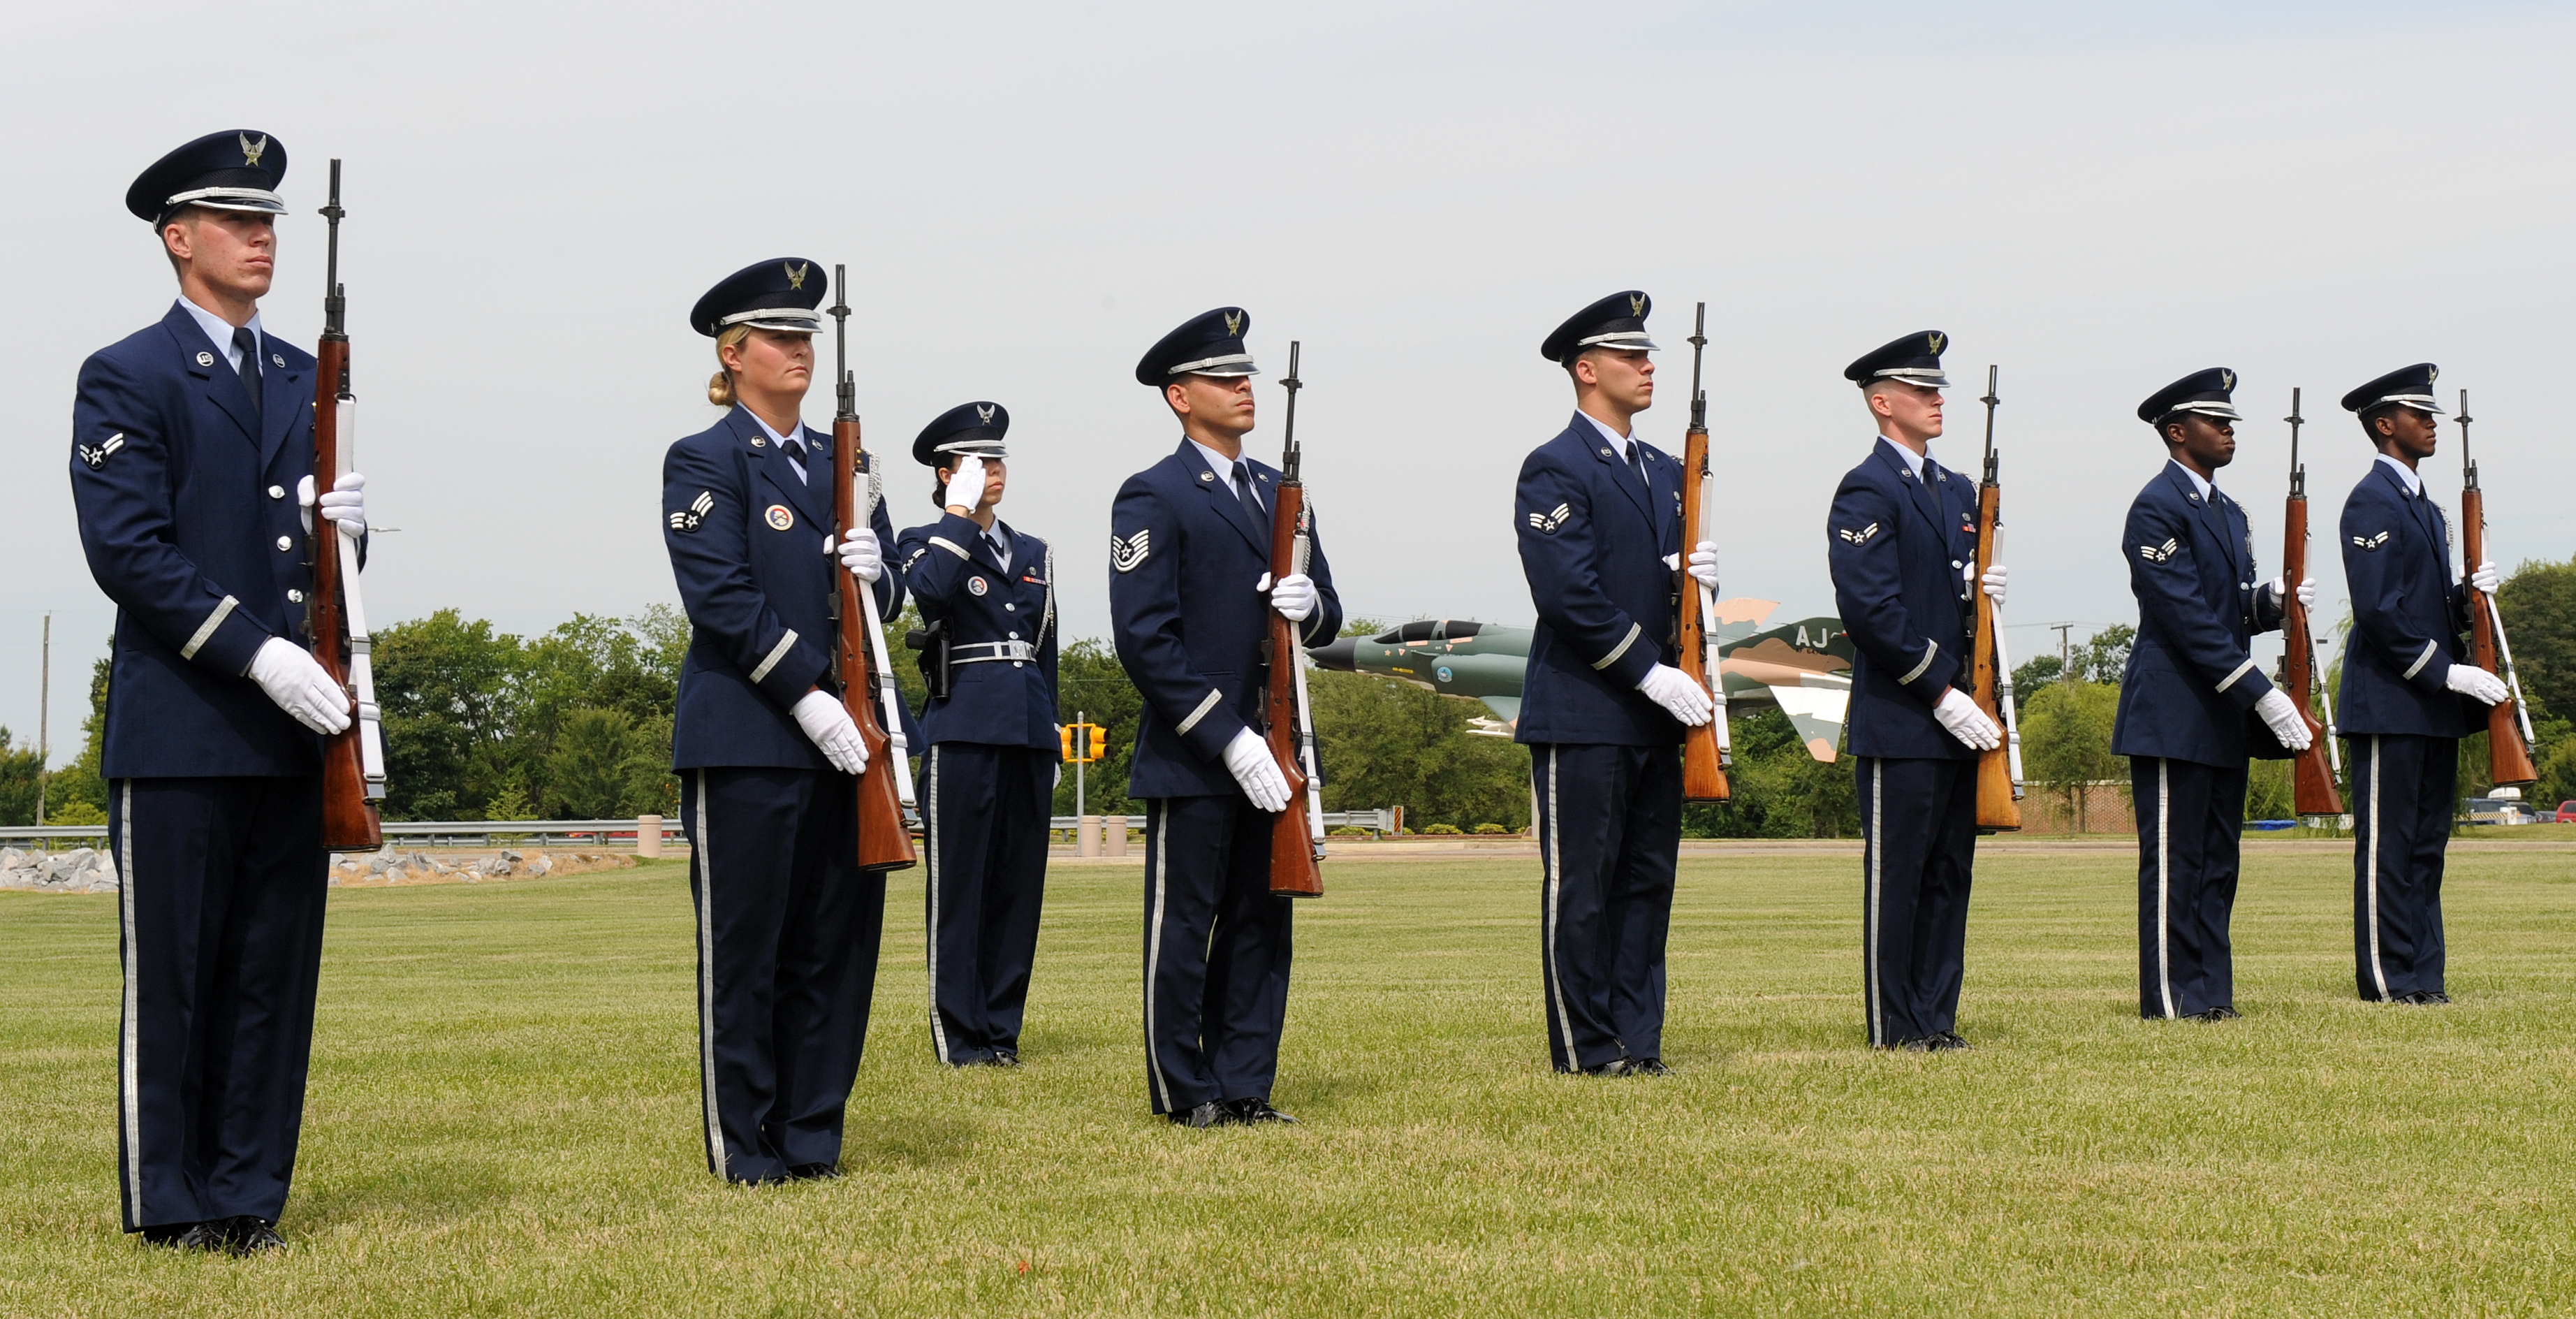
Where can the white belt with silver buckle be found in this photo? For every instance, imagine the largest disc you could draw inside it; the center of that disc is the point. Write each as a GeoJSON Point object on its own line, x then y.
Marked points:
{"type": "Point", "coordinates": [988, 652]}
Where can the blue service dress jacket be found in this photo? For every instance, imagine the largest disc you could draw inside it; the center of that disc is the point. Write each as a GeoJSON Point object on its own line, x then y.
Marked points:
{"type": "Point", "coordinates": [1184, 561]}
{"type": "Point", "coordinates": [2408, 614]}
{"type": "Point", "coordinates": [1601, 555]}
{"type": "Point", "coordinates": [187, 509]}
{"type": "Point", "coordinates": [748, 549]}
{"type": "Point", "coordinates": [2191, 684]}
{"type": "Point", "coordinates": [1898, 549]}
{"type": "Point", "coordinates": [990, 610]}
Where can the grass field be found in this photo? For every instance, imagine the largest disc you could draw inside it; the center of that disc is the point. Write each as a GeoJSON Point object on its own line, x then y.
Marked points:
{"type": "Point", "coordinates": [502, 1119]}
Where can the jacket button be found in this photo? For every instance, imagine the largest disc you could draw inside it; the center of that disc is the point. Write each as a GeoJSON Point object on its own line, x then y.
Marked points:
{"type": "Point", "coordinates": [295, 597]}
{"type": "Point", "coordinates": [284, 543]}
{"type": "Point", "coordinates": [1010, 608]}
{"type": "Point", "coordinates": [277, 492]}
{"type": "Point", "coordinates": [1015, 636]}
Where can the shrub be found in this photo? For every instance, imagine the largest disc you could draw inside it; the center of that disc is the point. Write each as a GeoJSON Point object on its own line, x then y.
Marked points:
{"type": "Point", "coordinates": [1491, 829]}
{"type": "Point", "coordinates": [1442, 829]}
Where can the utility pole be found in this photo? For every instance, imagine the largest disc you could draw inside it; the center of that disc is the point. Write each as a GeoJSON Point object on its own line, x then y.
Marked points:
{"type": "Point", "coordinates": [1082, 749]}
{"type": "Point", "coordinates": [2065, 648]}
{"type": "Point", "coordinates": [44, 716]}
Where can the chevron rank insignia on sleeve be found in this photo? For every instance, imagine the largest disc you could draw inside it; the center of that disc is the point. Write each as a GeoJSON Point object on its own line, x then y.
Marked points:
{"type": "Point", "coordinates": [2371, 543]}
{"type": "Point", "coordinates": [1549, 521]}
{"type": "Point", "coordinates": [97, 458]}
{"type": "Point", "coordinates": [689, 519]}
{"type": "Point", "coordinates": [1128, 551]}
{"type": "Point", "coordinates": [2159, 553]}
{"type": "Point", "coordinates": [1860, 537]}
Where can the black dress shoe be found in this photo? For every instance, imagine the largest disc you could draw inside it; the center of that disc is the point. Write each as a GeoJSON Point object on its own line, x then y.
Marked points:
{"type": "Point", "coordinates": [1947, 1041]}
{"type": "Point", "coordinates": [2433, 998]}
{"type": "Point", "coordinates": [2224, 1012]}
{"type": "Point", "coordinates": [814, 1172]}
{"type": "Point", "coordinates": [1004, 1058]}
{"type": "Point", "coordinates": [1649, 1067]}
{"type": "Point", "coordinates": [1919, 1044]}
{"type": "Point", "coordinates": [1614, 1067]}
{"type": "Point", "coordinates": [2204, 1017]}
{"type": "Point", "coordinates": [187, 1236]}
{"type": "Point", "coordinates": [1213, 1113]}
{"type": "Point", "coordinates": [249, 1234]}
{"type": "Point", "coordinates": [1252, 1112]}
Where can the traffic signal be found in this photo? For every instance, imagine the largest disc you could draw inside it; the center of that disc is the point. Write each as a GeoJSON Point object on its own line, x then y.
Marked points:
{"type": "Point", "coordinates": [1064, 736]}
{"type": "Point", "coordinates": [1099, 741]}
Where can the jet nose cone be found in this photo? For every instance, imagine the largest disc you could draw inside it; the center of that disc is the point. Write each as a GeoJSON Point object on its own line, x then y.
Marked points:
{"type": "Point", "coordinates": [1342, 655]}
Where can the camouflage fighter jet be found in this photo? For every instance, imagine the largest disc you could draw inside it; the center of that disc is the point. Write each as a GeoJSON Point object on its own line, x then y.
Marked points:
{"type": "Point", "coordinates": [1803, 667]}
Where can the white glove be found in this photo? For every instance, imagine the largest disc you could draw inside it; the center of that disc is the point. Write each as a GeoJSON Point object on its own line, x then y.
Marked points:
{"type": "Point", "coordinates": [966, 484]}
{"type": "Point", "coordinates": [1681, 698]}
{"type": "Point", "coordinates": [2307, 591]}
{"type": "Point", "coordinates": [1703, 563]}
{"type": "Point", "coordinates": [2470, 680]}
{"type": "Point", "coordinates": [290, 676]}
{"type": "Point", "coordinates": [2485, 580]}
{"type": "Point", "coordinates": [827, 722]}
{"type": "Point", "coordinates": [1058, 780]}
{"type": "Point", "coordinates": [861, 554]}
{"type": "Point", "coordinates": [1248, 758]}
{"type": "Point", "coordinates": [1994, 584]}
{"type": "Point", "coordinates": [1961, 719]}
{"type": "Point", "coordinates": [346, 505]}
{"type": "Point", "coordinates": [1294, 597]}
{"type": "Point", "coordinates": [2278, 711]}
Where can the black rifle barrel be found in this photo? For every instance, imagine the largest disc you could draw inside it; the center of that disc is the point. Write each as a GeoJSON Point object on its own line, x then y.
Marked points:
{"type": "Point", "coordinates": [2298, 474]}
{"type": "Point", "coordinates": [334, 300]}
{"type": "Point", "coordinates": [1699, 396]}
{"type": "Point", "coordinates": [1289, 455]}
{"type": "Point", "coordinates": [1990, 400]}
{"type": "Point", "coordinates": [2468, 465]}
{"type": "Point", "coordinates": [846, 389]}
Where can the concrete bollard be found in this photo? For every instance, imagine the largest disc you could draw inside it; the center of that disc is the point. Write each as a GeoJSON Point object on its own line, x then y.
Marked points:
{"type": "Point", "coordinates": [1086, 835]}
{"type": "Point", "coordinates": [1113, 835]}
{"type": "Point", "coordinates": [648, 837]}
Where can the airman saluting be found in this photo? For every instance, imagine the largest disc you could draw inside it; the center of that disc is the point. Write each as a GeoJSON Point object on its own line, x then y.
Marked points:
{"type": "Point", "coordinates": [788, 925]}
{"type": "Point", "coordinates": [2409, 695]}
{"type": "Point", "coordinates": [2193, 704]}
{"type": "Point", "coordinates": [1901, 541]}
{"type": "Point", "coordinates": [987, 592]}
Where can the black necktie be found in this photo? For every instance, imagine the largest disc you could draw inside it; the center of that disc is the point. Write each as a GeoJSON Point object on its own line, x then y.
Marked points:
{"type": "Point", "coordinates": [247, 344]}
{"type": "Point", "coordinates": [1251, 501]}
{"type": "Point", "coordinates": [796, 450]}
{"type": "Point", "coordinates": [1000, 555]}
{"type": "Point", "coordinates": [1637, 464]}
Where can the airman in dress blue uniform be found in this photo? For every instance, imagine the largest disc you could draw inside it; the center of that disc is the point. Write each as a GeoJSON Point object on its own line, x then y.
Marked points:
{"type": "Point", "coordinates": [2193, 705]}
{"type": "Point", "coordinates": [1901, 541]}
{"type": "Point", "coordinates": [2409, 695]}
{"type": "Point", "coordinates": [987, 591]}
{"type": "Point", "coordinates": [188, 438]}
{"type": "Point", "coordinates": [788, 925]}
{"type": "Point", "coordinates": [1190, 598]}
{"type": "Point", "coordinates": [1598, 516]}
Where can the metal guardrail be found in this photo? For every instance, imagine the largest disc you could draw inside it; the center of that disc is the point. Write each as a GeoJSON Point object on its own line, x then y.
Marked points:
{"type": "Point", "coordinates": [598, 833]}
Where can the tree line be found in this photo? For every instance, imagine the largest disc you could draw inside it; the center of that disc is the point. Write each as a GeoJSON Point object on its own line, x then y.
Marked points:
{"type": "Point", "coordinates": [576, 724]}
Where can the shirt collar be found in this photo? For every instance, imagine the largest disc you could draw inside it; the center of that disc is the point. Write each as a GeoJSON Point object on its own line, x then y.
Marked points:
{"type": "Point", "coordinates": [775, 437]}
{"type": "Point", "coordinates": [2198, 482]}
{"type": "Point", "coordinates": [1219, 463]}
{"type": "Point", "coordinates": [1913, 461]}
{"type": "Point", "coordinates": [221, 330]}
{"type": "Point", "coordinates": [2412, 479]}
{"type": "Point", "coordinates": [1617, 441]}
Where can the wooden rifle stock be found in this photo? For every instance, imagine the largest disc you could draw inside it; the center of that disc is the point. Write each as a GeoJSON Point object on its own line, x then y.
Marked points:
{"type": "Point", "coordinates": [1998, 804]}
{"type": "Point", "coordinates": [1703, 749]}
{"type": "Point", "coordinates": [885, 840]}
{"type": "Point", "coordinates": [2313, 779]}
{"type": "Point", "coordinates": [350, 822]}
{"type": "Point", "coordinates": [2509, 761]}
{"type": "Point", "coordinates": [1296, 869]}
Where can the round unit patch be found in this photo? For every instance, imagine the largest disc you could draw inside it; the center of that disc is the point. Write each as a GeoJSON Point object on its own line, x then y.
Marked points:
{"type": "Point", "coordinates": [778, 517]}
{"type": "Point", "coordinates": [975, 585]}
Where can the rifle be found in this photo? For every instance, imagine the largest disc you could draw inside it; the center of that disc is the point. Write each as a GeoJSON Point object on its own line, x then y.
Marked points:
{"type": "Point", "coordinates": [1998, 771]}
{"type": "Point", "coordinates": [2509, 724]}
{"type": "Point", "coordinates": [335, 620]}
{"type": "Point", "coordinates": [2313, 778]}
{"type": "Point", "coordinates": [1706, 750]}
{"type": "Point", "coordinates": [885, 839]}
{"type": "Point", "coordinates": [1297, 836]}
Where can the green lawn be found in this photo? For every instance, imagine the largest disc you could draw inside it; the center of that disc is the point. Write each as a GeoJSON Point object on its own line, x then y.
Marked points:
{"type": "Point", "coordinates": [502, 1119]}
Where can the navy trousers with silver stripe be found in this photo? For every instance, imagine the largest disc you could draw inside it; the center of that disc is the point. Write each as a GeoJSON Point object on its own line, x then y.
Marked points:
{"type": "Point", "coordinates": [221, 885]}
{"type": "Point", "coordinates": [2402, 790]}
{"type": "Point", "coordinates": [788, 928]}
{"type": "Point", "coordinates": [2190, 820]}
{"type": "Point", "coordinates": [1609, 830]}
{"type": "Point", "coordinates": [985, 814]}
{"type": "Point", "coordinates": [1919, 852]}
{"type": "Point", "coordinates": [1217, 949]}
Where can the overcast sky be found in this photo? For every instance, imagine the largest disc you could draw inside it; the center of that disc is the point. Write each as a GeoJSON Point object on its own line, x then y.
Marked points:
{"type": "Point", "coordinates": [2099, 198]}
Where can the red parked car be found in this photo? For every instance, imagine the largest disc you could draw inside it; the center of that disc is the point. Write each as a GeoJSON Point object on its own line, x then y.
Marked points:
{"type": "Point", "coordinates": [2567, 812]}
